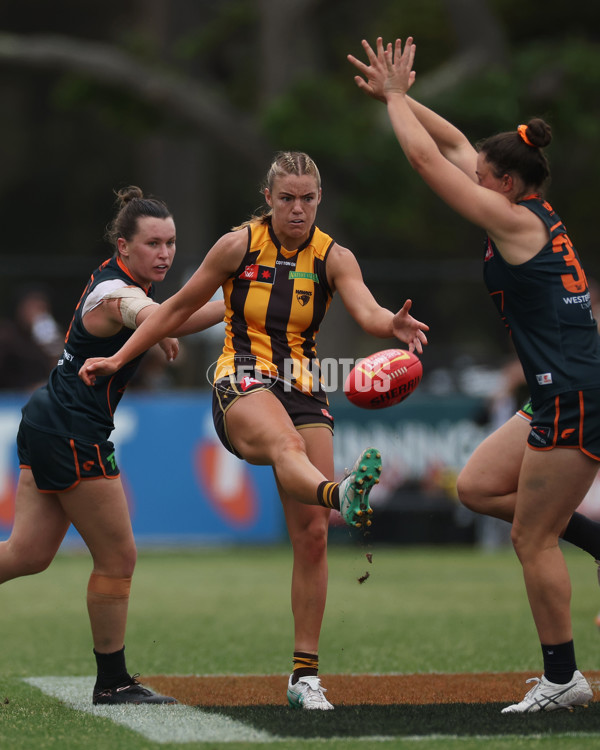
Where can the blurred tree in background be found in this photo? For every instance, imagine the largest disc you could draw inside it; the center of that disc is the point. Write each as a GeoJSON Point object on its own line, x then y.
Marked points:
{"type": "Point", "coordinates": [191, 98]}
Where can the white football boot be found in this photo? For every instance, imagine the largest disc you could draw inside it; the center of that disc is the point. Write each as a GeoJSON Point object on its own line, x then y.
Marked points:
{"type": "Point", "coordinates": [548, 696]}
{"type": "Point", "coordinates": [307, 693]}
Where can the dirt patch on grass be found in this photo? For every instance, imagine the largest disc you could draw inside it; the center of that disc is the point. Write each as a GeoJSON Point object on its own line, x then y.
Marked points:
{"type": "Point", "coordinates": [353, 690]}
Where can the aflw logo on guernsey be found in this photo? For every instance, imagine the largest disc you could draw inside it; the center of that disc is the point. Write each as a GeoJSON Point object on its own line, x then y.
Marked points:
{"type": "Point", "coordinates": [253, 272]}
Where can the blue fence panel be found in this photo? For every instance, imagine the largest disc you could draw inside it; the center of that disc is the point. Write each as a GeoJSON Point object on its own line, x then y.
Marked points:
{"type": "Point", "coordinates": [181, 484]}
{"type": "Point", "coordinates": [184, 487]}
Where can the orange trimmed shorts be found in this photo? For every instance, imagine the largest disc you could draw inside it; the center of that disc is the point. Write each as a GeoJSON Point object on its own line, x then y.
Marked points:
{"type": "Point", "coordinates": [569, 420]}
{"type": "Point", "coordinates": [59, 463]}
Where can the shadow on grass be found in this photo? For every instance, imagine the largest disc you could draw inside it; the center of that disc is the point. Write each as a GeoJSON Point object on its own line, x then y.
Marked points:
{"type": "Point", "coordinates": [451, 719]}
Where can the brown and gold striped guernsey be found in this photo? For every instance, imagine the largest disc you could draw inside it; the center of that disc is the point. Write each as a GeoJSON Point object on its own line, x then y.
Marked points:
{"type": "Point", "coordinates": [275, 303]}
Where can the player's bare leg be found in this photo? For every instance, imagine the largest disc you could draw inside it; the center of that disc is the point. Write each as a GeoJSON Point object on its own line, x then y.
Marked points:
{"type": "Point", "coordinates": [262, 432]}
{"type": "Point", "coordinates": [39, 527]}
{"type": "Point", "coordinates": [550, 488]}
{"type": "Point", "coordinates": [98, 510]}
{"type": "Point", "coordinates": [488, 485]}
{"type": "Point", "coordinates": [488, 482]}
{"type": "Point", "coordinates": [308, 529]}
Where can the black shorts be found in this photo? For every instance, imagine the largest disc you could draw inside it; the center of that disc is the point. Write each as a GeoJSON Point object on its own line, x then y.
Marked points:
{"type": "Point", "coordinates": [569, 420]}
{"type": "Point", "coordinates": [59, 463]}
{"type": "Point", "coordinates": [304, 410]}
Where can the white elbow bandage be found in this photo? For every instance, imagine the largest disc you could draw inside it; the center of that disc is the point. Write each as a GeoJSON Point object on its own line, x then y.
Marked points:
{"type": "Point", "coordinates": [132, 299]}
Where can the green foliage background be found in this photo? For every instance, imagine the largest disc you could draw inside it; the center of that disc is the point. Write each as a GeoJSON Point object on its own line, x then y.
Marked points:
{"type": "Point", "coordinates": [67, 140]}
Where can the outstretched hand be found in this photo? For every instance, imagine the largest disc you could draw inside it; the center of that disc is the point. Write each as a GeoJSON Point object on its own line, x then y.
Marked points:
{"type": "Point", "coordinates": [408, 329]}
{"type": "Point", "coordinates": [389, 70]}
{"type": "Point", "coordinates": [96, 366]}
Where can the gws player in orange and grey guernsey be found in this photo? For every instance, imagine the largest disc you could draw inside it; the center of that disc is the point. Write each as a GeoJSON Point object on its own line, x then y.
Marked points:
{"type": "Point", "coordinates": [279, 272]}
{"type": "Point", "coordinates": [535, 278]}
{"type": "Point", "coordinates": [69, 474]}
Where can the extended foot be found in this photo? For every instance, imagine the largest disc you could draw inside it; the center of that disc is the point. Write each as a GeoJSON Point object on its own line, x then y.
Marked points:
{"type": "Point", "coordinates": [548, 696]}
{"type": "Point", "coordinates": [130, 692]}
{"type": "Point", "coordinates": [355, 487]}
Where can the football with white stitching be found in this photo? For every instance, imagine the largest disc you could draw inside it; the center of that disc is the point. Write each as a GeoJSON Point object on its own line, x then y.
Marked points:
{"type": "Point", "coordinates": [383, 379]}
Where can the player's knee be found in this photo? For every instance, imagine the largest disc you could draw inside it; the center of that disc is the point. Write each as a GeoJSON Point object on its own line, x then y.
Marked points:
{"type": "Point", "coordinates": [33, 564]}
{"type": "Point", "coordinates": [528, 543]}
{"type": "Point", "coordinates": [128, 562]}
{"type": "Point", "coordinates": [120, 563]}
{"type": "Point", "coordinates": [468, 492]}
{"type": "Point", "coordinates": [292, 441]}
{"type": "Point", "coordinates": [519, 541]}
{"type": "Point", "coordinates": [17, 561]}
{"type": "Point", "coordinates": [288, 443]}
{"type": "Point", "coordinates": [125, 565]}
{"type": "Point", "coordinates": [272, 451]}
{"type": "Point", "coordinates": [310, 541]}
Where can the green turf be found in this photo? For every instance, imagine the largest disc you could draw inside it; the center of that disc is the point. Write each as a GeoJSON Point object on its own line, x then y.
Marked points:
{"type": "Point", "coordinates": [221, 611]}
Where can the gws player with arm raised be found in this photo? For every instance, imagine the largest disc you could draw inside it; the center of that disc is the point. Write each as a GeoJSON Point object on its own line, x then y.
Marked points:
{"type": "Point", "coordinates": [535, 278]}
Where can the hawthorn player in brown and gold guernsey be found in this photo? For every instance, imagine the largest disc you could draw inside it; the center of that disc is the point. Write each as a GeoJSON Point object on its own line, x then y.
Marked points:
{"type": "Point", "coordinates": [278, 272]}
{"type": "Point", "coordinates": [275, 303]}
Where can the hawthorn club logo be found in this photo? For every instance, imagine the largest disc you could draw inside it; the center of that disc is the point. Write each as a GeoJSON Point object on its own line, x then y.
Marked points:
{"type": "Point", "coordinates": [303, 296]}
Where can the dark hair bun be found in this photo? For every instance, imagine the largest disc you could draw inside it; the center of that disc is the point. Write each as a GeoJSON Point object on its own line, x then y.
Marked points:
{"type": "Point", "coordinates": [130, 193]}
{"type": "Point", "coordinates": [539, 132]}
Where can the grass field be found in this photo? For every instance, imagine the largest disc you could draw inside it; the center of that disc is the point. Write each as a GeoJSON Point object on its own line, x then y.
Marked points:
{"type": "Point", "coordinates": [226, 611]}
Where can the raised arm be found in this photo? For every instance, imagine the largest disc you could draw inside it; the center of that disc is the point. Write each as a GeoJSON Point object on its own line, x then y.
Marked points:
{"type": "Point", "coordinates": [346, 278]}
{"type": "Point", "coordinates": [182, 313]}
{"type": "Point", "coordinates": [451, 142]}
{"type": "Point", "coordinates": [485, 207]}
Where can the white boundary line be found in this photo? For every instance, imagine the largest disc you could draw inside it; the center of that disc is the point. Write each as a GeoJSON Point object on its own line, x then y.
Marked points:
{"type": "Point", "coordinates": [157, 723]}
{"type": "Point", "coordinates": [185, 724]}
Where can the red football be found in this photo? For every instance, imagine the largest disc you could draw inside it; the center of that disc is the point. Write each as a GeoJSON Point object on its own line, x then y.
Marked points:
{"type": "Point", "coordinates": [383, 379]}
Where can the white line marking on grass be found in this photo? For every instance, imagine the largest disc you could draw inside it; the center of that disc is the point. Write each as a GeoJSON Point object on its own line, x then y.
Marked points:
{"type": "Point", "coordinates": [157, 723]}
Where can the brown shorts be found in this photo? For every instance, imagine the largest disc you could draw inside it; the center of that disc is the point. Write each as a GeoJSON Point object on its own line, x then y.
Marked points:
{"type": "Point", "coordinates": [304, 410]}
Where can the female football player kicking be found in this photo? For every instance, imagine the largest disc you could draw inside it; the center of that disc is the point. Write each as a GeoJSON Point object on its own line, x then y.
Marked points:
{"type": "Point", "coordinates": [279, 272]}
